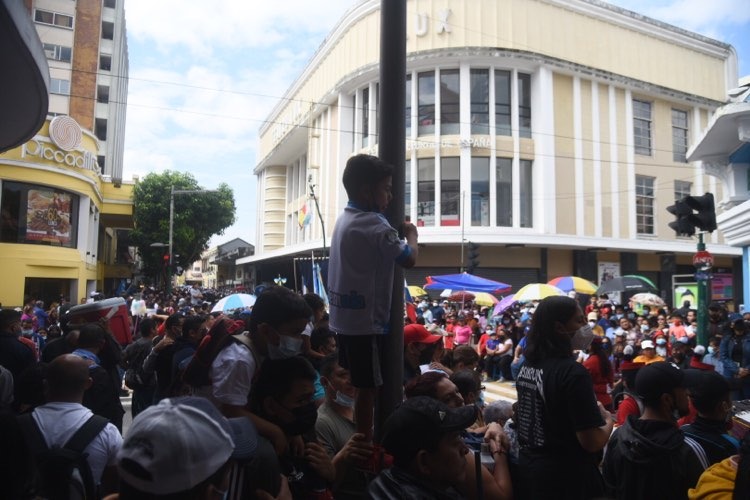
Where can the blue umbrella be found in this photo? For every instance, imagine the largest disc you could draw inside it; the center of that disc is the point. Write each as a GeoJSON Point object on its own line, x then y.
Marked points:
{"type": "Point", "coordinates": [465, 281]}
{"type": "Point", "coordinates": [234, 301]}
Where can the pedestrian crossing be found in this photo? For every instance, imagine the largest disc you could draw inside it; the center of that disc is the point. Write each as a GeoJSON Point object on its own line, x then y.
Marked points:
{"type": "Point", "coordinates": [497, 391]}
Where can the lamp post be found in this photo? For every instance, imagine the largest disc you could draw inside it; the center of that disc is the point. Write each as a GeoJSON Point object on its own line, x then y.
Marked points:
{"type": "Point", "coordinates": [159, 245]}
{"type": "Point", "coordinates": [173, 192]}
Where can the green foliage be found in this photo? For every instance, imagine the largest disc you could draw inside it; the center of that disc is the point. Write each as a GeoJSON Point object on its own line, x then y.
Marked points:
{"type": "Point", "coordinates": [197, 217]}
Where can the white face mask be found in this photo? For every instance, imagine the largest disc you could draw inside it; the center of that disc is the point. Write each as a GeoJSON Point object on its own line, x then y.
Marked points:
{"type": "Point", "coordinates": [288, 348]}
{"type": "Point", "coordinates": [711, 349]}
{"type": "Point", "coordinates": [344, 400]}
{"type": "Point", "coordinates": [582, 338]}
{"type": "Point", "coordinates": [592, 323]}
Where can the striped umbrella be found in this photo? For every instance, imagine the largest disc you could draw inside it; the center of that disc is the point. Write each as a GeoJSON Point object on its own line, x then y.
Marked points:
{"type": "Point", "coordinates": [536, 291]}
{"type": "Point", "coordinates": [234, 301]}
{"type": "Point", "coordinates": [569, 283]}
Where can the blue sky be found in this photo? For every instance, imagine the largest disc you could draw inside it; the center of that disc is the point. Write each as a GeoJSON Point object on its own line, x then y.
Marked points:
{"type": "Point", "coordinates": [204, 75]}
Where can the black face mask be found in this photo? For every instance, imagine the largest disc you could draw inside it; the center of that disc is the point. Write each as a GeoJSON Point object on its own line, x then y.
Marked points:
{"type": "Point", "coordinates": [304, 420]}
{"type": "Point", "coordinates": [425, 357]}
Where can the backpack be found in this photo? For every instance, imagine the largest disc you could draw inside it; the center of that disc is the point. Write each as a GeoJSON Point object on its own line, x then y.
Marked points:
{"type": "Point", "coordinates": [63, 472]}
{"type": "Point", "coordinates": [220, 335]}
{"type": "Point", "coordinates": [135, 377]}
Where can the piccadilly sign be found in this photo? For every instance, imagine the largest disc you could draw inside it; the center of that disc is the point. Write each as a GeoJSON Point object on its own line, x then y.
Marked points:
{"type": "Point", "coordinates": [65, 134]}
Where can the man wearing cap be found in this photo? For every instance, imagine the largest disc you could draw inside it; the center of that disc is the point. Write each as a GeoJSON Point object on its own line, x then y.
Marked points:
{"type": "Point", "coordinates": [681, 353]}
{"type": "Point", "coordinates": [648, 353]}
{"type": "Point", "coordinates": [183, 448]}
{"type": "Point", "coordinates": [593, 319]}
{"type": "Point", "coordinates": [649, 457]}
{"type": "Point", "coordinates": [429, 456]}
{"type": "Point", "coordinates": [419, 349]}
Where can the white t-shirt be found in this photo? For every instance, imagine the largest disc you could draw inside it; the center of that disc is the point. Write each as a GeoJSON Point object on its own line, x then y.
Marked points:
{"type": "Point", "coordinates": [59, 421]}
{"type": "Point", "coordinates": [232, 375]}
{"type": "Point", "coordinates": [195, 296]}
{"type": "Point", "coordinates": [364, 250]}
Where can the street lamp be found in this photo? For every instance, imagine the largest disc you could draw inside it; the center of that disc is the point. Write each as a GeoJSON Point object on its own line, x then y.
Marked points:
{"type": "Point", "coordinates": [171, 223]}
{"type": "Point", "coordinates": [158, 245]}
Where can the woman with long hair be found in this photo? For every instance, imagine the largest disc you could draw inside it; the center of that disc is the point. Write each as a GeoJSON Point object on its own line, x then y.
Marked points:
{"type": "Point", "coordinates": [602, 374]}
{"type": "Point", "coordinates": [561, 425]}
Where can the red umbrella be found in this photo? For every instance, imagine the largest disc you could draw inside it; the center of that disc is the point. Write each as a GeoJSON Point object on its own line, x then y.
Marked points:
{"type": "Point", "coordinates": [461, 297]}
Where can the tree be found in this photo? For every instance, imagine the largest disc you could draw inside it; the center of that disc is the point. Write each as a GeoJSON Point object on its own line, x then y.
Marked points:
{"type": "Point", "coordinates": [197, 217]}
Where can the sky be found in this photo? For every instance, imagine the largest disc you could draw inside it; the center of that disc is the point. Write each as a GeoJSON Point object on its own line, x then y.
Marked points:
{"type": "Point", "coordinates": [205, 75]}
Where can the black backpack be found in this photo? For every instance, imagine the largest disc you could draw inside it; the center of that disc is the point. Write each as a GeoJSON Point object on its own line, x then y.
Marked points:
{"type": "Point", "coordinates": [63, 472]}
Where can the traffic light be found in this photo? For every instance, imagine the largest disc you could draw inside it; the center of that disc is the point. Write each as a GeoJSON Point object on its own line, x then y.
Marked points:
{"type": "Point", "coordinates": [687, 220]}
{"type": "Point", "coordinates": [472, 257]}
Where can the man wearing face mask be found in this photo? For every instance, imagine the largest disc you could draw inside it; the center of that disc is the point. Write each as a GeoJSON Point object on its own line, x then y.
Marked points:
{"type": "Point", "coordinates": [283, 395]}
{"type": "Point", "coordinates": [649, 457]}
{"type": "Point", "coordinates": [337, 433]}
{"type": "Point", "coordinates": [419, 349]}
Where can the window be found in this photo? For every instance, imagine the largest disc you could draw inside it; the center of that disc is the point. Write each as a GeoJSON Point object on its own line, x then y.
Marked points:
{"type": "Point", "coordinates": [59, 86]}
{"type": "Point", "coordinates": [682, 189]}
{"type": "Point", "coordinates": [105, 62]}
{"type": "Point", "coordinates": [449, 102]}
{"type": "Point", "coordinates": [407, 190]}
{"type": "Point", "coordinates": [57, 52]}
{"type": "Point", "coordinates": [100, 129]}
{"type": "Point", "coordinates": [679, 135]}
{"type": "Point", "coordinates": [524, 105]}
{"type": "Point", "coordinates": [365, 117]}
{"type": "Point", "coordinates": [101, 160]}
{"type": "Point", "coordinates": [644, 204]}
{"type": "Point", "coordinates": [408, 106]}
{"type": "Point", "coordinates": [502, 103]}
{"type": "Point", "coordinates": [112, 4]}
{"type": "Point", "coordinates": [53, 18]}
{"type": "Point", "coordinates": [480, 191]}
{"type": "Point", "coordinates": [38, 215]}
{"type": "Point", "coordinates": [108, 30]}
{"type": "Point", "coordinates": [426, 192]}
{"type": "Point", "coordinates": [504, 192]}
{"type": "Point", "coordinates": [102, 94]}
{"type": "Point", "coordinates": [642, 127]}
{"type": "Point", "coordinates": [526, 190]}
{"type": "Point", "coordinates": [426, 103]}
{"type": "Point", "coordinates": [480, 101]}
{"type": "Point", "coordinates": [450, 191]}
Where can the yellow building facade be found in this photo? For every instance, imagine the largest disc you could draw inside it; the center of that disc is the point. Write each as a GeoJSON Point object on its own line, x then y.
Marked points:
{"type": "Point", "coordinates": [60, 215]}
{"type": "Point", "coordinates": [552, 133]}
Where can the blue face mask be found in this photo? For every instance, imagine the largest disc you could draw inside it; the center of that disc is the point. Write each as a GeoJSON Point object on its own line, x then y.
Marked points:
{"type": "Point", "coordinates": [288, 347]}
{"type": "Point", "coordinates": [711, 349]}
{"type": "Point", "coordinates": [344, 400]}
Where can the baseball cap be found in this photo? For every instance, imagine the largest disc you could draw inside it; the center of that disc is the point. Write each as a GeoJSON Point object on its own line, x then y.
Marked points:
{"type": "Point", "coordinates": [647, 344]}
{"type": "Point", "coordinates": [420, 422]}
{"type": "Point", "coordinates": [416, 333]}
{"type": "Point", "coordinates": [662, 377]}
{"type": "Point", "coordinates": [177, 444]}
{"type": "Point", "coordinates": [699, 350]}
{"type": "Point", "coordinates": [592, 316]}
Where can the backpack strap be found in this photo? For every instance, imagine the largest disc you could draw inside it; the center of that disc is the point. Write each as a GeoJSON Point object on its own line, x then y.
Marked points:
{"type": "Point", "coordinates": [33, 433]}
{"type": "Point", "coordinates": [88, 431]}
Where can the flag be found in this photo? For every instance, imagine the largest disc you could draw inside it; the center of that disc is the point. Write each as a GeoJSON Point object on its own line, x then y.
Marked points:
{"type": "Point", "coordinates": [318, 286]}
{"type": "Point", "coordinates": [304, 285]}
{"type": "Point", "coordinates": [304, 215]}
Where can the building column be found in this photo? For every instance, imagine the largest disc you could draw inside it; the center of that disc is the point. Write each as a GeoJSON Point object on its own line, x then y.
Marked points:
{"type": "Point", "coordinates": [746, 277]}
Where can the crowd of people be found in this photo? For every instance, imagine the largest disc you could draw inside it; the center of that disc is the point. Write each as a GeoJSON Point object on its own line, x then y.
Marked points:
{"type": "Point", "coordinates": [277, 400]}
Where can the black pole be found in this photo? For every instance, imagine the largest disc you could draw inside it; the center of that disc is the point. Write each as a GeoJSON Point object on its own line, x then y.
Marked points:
{"type": "Point", "coordinates": [391, 149]}
{"type": "Point", "coordinates": [320, 216]}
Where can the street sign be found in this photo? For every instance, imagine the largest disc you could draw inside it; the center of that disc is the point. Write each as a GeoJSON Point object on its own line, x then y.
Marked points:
{"type": "Point", "coordinates": [703, 260]}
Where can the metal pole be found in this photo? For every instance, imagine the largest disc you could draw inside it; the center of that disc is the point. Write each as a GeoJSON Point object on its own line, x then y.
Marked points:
{"type": "Point", "coordinates": [704, 291]}
{"type": "Point", "coordinates": [171, 228]}
{"type": "Point", "coordinates": [391, 147]}
{"type": "Point", "coordinates": [461, 213]}
{"type": "Point", "coordinates": [317, 209]}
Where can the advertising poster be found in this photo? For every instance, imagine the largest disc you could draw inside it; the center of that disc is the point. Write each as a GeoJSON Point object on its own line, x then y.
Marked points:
{"type": "Point", "coordinates": [722, 287]}
{"type": "Point", "coordinates": [686, 292]}
{"type": "Point", "coordinates": [607, 271]}
{"type": "Point", "coordinates": [48, 216]}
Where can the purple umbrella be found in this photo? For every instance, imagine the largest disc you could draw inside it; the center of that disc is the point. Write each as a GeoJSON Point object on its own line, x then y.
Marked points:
{"type": "Point", "coordinates": [504, 304]}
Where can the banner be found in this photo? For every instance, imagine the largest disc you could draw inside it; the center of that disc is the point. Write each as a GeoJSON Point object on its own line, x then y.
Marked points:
{"type": "Point", "coordinates": [304, 215]}
{"type": "Point", "coordinates": [48, 216]}
{"type": "Point", "coordinates": [607, 271]}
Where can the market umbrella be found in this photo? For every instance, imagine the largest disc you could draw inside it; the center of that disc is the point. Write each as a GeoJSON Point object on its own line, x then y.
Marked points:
{"type": "Point", "coordinates": [643, 278]}
{"type": "Point", "coordinates": [485, 299]}
{"type": "Point", "coordinates": [536, 291]}
{"type": "Point", "coordinates": [648, 299]}
{"type": "Point", "coordinates": [503, 305]}
{"type": "Point", "coordinates": [234, 301]}
{"type": "Point", "coordinates": [465, 281]}
{"type": "Point", "coordinates": [573, 283]}
{"type": "Point", "coordinates": [629, 283]}
{"type": "Point", "coordinates": [416, 291]}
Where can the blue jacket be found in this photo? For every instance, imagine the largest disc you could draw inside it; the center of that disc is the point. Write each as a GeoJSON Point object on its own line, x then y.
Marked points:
{"type": "Point", "coordinates": [727, 343]}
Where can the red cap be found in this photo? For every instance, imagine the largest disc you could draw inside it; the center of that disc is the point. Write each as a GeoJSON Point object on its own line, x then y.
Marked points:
{"type": "Point", "coordinates": [416, 333]}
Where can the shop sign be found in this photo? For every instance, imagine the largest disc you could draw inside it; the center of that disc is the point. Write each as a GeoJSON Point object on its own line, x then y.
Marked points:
{"type": "Point", "coordinates": [83, 160]}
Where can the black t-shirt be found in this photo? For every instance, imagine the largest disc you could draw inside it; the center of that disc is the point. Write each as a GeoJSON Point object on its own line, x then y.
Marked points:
{"type": "Point", "coordinates": [555, 400]}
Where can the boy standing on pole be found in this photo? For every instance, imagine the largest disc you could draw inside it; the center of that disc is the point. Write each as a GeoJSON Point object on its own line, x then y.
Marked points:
{"type": "Point", "coordinates": [364, 250]}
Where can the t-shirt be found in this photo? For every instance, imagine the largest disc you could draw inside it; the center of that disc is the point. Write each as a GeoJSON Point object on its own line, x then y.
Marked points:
{"type": "Point", "coordinates": [555, 400]}
{"type": "Point", "coordinates": [364, 250]}
{"type": "Point", "coordinates": [59, 421]}
{"type": "Point", "coordinates": [231, 375]}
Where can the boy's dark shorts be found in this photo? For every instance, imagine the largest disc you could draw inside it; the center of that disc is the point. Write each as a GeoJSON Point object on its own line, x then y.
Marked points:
{"type": "Point", "coordinates": [360, 354]}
